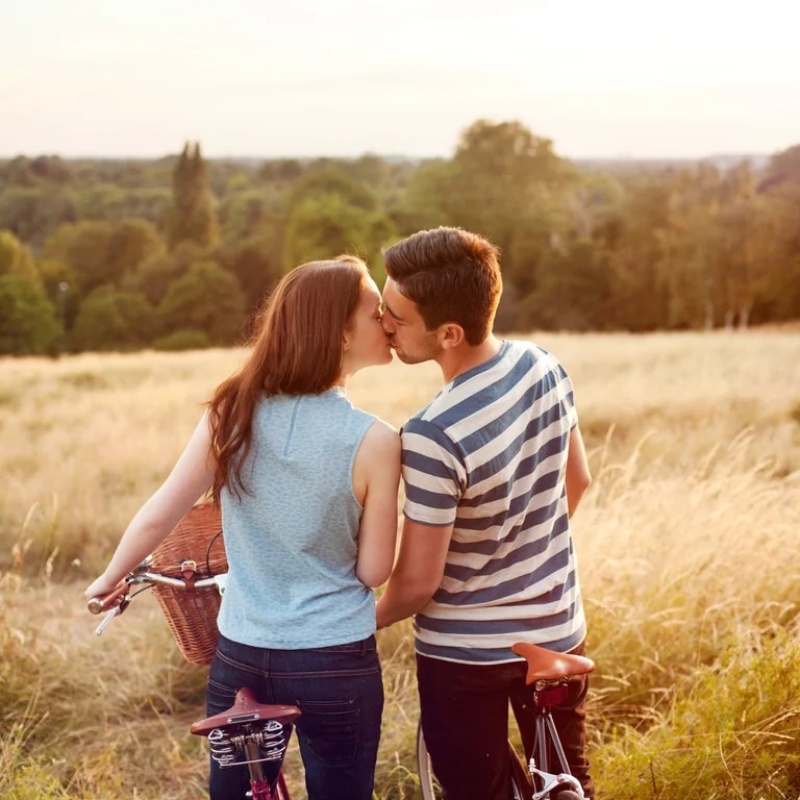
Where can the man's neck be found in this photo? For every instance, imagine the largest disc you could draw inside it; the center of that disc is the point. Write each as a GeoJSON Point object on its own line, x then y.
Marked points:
{"type": "Point", "coordinates": [465, 357]}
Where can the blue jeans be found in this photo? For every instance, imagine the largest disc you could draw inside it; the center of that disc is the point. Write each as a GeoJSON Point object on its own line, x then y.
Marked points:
{"type": "Point", "coordinates": [340, 694]}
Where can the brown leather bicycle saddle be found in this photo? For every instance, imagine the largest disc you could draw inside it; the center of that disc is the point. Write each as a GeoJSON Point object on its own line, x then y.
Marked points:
{"type": "Point", "coordinates": [245, 709]}
{"type": "Point", "coordinates": [547, 665]}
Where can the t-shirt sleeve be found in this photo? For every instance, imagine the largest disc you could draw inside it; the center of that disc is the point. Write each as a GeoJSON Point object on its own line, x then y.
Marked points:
{"type": "Point", "coordinates": [433, 474]}
{"type": "Point", "coordinates": [566, 395]}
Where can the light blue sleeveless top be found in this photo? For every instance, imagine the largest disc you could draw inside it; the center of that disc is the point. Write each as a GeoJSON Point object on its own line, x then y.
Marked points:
{"type": "Point", "coordinates": [292, 541]}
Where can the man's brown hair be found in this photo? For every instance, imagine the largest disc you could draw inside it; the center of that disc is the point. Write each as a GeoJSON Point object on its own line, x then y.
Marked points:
{"type": "Point", "coordinates": [452, 276]}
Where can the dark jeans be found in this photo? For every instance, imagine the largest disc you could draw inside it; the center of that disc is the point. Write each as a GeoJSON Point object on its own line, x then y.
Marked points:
{"type": "Point", "coordinates": [464, 711]}
{"type": "Point", "coordinates": [340, 694]}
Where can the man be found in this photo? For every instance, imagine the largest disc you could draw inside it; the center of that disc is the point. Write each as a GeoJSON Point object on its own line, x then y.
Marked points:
{"type": "Point", "coordinates": [493, 468]}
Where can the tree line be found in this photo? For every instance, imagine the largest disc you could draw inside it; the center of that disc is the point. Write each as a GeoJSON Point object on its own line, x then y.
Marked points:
{"type": "Point", "coordinates": [179, 252]}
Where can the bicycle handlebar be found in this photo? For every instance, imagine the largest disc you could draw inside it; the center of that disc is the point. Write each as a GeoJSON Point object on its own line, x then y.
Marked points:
{"type": "Point", "coordinates": [102, 603]}
{"type": "Point", "coordinates": [146, 579]}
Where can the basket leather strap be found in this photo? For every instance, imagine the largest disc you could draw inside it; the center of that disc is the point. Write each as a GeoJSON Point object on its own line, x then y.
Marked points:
{"type": "Point", "coordinates": [189, 573]}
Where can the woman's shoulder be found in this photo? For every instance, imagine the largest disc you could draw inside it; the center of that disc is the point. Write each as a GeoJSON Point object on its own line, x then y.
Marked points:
{"type": "Point", "coordinates": [381, 436]}
{"type": "Point", "coordinates": [378, 456]}
{"type": "Point", "coordinates": [382, 428]}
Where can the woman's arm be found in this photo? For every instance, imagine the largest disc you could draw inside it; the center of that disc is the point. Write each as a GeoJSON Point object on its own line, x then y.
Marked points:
{"type": "Point", "coordinates": [578, 476]}
{"type": "Point", "coordinates": [376, 474]}
{"type": "Point", "coordinates": [190, 478]}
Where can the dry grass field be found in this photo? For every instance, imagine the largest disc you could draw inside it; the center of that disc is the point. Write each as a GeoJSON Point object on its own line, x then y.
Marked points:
{"type": "Point", "coordinates": [688, 547]}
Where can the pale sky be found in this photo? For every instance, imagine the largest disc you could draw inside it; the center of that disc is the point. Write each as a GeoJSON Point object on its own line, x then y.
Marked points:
{"type": "Point", "coordinates": [601, 78]}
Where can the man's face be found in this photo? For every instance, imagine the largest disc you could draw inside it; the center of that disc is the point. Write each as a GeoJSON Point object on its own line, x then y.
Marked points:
{"type": "Point", "coordinates": [404, 326]}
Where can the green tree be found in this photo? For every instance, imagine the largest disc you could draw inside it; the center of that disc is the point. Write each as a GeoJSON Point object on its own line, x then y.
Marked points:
{"type": "Point", "coordinates": [645, 256]}
{"type": "Point", "coordinates": [244, 214]}
{"type": "Point", "coordinates": [592, 201]}
{"type": "Point", "coordinates": [132, 241]}
{"type": "Point", "coordinates": [326, 225]}
{"type": "Point", "coordinates": [783, 167]}
{"type": "Point", "coordinates": [15, 259]}
{"type": "Point", "coordinates": [330, 212]}
{"type": "Point", "coordinates": [327, 180]}
{"type": "Point", "coordinates": [741, 245]}
{"type": "Point", "coordinates": [113, 202]}
{"type": "Point", "coordinates": [18, 211]}
{"type": "Point", "coordinates": [371, 170]}
{"type": "Point", "coordinates": [60, 285]}
{"type": "Point", "coordinates": [424, 204]}
{"type": "Point", "coordinates": [691, 278]}
{"type": "Point", "coordinates": [504, 183]}
{"type": "Point", "coordinates": [18, 172]}
{"type": "Point", "coordinates": [256, 262]}
{"type": "Point", "coordinates": [34, 213]}
{"type": "Point", "coordinates": [152, 277]}
{"type": "Point", "coordinates": [500, 173]}
{"type": "Point", "coordinates": [206, 299]}
{"type": "Point", "coordinates": [282, 170]}
{"type": "Point", "coordinates": [574, 291]}
{"type": "Point", "coordinates": [113, 320]}
{"type": "Point", "coordinates": [99, 252]}
{"type": "Point", "coordinates": [84, 248]}
{"type": "Point", "coordinates": [103, 201]}
{"type": "Point", "coordinates": [192, 216]}
{"type": "Point", "coordinates": [779, 194]}
{"type": "Point", "coordinates": [27, 318]}
{"type": "Point", "coordinates": [50, 168]}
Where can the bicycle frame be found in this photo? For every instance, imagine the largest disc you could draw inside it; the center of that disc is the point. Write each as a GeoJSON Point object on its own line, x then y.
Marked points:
{"type": "Point", "coordinates": [547, 677]}
{"type": "Point", "coordinates": [546, 694]}
{"type": "Point", "coordinates": [248, 733]}
{"type": "Point", "coordinates": [548, 674]}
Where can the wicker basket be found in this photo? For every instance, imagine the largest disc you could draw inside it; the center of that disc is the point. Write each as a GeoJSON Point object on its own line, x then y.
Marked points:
{"type": "Point", "coordinates": [192, 615]}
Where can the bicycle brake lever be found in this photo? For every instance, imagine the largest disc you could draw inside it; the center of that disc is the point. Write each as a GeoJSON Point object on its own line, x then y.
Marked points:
{"type": "Point", "coordinates": [104, 622]}
{"type": "Point", "coordinates": [115, 612]}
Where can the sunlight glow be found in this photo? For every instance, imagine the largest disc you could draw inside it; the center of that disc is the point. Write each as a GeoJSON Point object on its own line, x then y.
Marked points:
{"type": "Point", "coordinates": [395, 77]}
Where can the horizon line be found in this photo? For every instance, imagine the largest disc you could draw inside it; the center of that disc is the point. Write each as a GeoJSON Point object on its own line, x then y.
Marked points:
{"type": "Point", "coordinates": [384, 156]}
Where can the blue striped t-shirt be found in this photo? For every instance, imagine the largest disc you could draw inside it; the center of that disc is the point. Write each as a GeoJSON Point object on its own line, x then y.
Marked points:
{"type": "Point", "coordinates": [488, 455]}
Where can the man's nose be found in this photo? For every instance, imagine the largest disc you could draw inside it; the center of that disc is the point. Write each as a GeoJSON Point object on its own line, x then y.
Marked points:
{"type": "Point", "coordinates": [388, 327]}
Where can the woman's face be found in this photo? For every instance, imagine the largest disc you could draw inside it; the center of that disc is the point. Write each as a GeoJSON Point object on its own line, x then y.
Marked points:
{"type": "Point", "coordinates": [366, 344]}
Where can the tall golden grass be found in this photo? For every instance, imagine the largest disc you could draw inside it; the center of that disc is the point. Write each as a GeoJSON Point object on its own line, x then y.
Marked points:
{"type": "Point", "coordinates": [687, 543]}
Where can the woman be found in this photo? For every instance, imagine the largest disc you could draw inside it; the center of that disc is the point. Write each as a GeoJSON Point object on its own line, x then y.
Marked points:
{"type": "Point", "coordinates": [308, 490]}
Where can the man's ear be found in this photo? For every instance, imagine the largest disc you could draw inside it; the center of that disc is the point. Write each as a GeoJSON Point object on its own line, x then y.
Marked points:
{"type": "Point", "coordinates": [451, 334]}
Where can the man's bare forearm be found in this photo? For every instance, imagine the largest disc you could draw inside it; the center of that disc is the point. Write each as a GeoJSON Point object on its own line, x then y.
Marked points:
{"type": "Point", "coordinates": [417, 573]}
{"type": "Point", "coordinates": [398, 603]}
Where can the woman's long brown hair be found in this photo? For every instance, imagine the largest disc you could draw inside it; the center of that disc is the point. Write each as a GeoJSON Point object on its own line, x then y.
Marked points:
{"type": "Point", "coordinates": [297, 348]}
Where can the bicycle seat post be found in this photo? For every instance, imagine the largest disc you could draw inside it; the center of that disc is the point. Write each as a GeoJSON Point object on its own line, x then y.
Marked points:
{"type": "Point", "coordinates": [548, 673]}
{"type": "Point", "coordinates": [250, 733]}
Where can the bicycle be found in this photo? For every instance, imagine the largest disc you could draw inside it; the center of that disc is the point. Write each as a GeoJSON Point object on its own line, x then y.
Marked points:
{"type": "Point", "coordinates": [248, 733]}
{"type": "Point", "coordinates": [548, 674]}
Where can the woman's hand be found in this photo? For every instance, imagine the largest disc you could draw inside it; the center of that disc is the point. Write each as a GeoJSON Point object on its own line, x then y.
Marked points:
{"type": "Point", "coordinates": [101, 587]}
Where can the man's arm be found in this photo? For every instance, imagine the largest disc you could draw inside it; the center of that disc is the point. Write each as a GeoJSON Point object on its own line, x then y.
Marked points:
{"type": "Point", "coordinates": [578, 476]}
{"type": "Point", "coordinates": [417, 573]}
